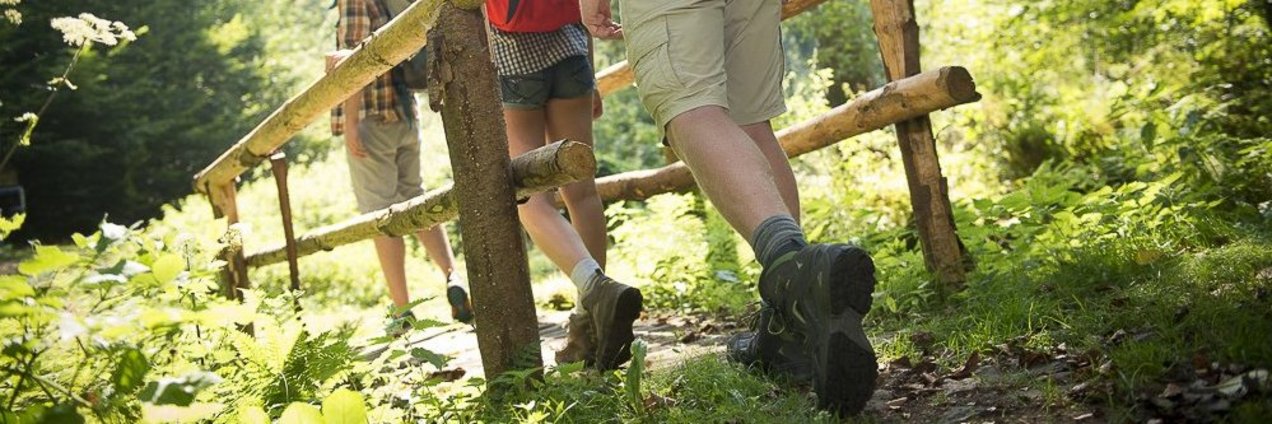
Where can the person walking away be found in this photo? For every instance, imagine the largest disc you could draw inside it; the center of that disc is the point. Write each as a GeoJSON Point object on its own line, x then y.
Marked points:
{"type": "Point", "coordinates": [381, 131]}
{"type": "Point", "coordinates": [543, 57]}
{"type": "Point", "coordinates": [710, 74]}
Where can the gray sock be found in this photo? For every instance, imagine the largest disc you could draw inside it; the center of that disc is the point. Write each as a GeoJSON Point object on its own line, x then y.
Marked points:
{"type": "Point", "coordinates": [776, 236]}
{"type": "Point", "coordinates": [585, 275]}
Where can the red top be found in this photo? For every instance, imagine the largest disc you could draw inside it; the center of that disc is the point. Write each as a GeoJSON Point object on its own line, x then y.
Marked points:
{"type": "Point", "coordinates": [532, 15]}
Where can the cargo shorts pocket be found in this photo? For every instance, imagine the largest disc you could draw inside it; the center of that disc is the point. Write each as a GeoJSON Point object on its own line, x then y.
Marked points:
{"type": "Point", "coordinates": [650, 57]}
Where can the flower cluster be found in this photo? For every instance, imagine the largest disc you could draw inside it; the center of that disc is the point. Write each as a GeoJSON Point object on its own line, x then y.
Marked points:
{"type": "Point", "coordinates": [88, 29]}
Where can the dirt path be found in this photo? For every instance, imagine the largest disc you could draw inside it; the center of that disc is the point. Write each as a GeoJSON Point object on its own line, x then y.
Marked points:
{"type": "Point", "coordinates": [988, 390]}
{"type": "Point", "coordinates": [670, 340]}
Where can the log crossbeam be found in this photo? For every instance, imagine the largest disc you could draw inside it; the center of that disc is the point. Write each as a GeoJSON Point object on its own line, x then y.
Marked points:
{"type": "Point", "coordinates": [895, 102]}
{"type": "Point", "coordinates": [539, 170]}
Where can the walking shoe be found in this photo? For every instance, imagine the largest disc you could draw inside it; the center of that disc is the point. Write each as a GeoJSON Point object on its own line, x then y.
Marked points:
{"type": "Point", "coordinates": [580, 340]}
{"type": "Point", "coordinates": [461, 306]}
{"type": "Point", "coordinates": [400, 325]}
{"type": "Point", "coordinates": [764, 347]}
{"type": "Point", "coordinates": [614, 307]}
{"type": "Point", "coordinates": [820, 294]}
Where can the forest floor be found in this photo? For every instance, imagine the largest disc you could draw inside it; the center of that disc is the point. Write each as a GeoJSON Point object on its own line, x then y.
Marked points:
{"type": "Point", "coordinates": [1011, 384]}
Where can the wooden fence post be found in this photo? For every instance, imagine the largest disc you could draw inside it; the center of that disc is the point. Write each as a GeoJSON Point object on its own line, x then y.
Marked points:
{"type": "Point", "coordinates": [464, 88]}
{"type": "Point", "coordinates": [278, 165]}
{"type": "Point", "coordinates": [898, 34]}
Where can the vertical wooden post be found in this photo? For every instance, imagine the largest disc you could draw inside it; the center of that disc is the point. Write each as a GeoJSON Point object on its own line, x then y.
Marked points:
{"type": "Point", "coordinates": [464, 88]}
{"type": "Point", "coordinates": [224, 200]}
{"type": "Point", "coordinates": [898, 34]}
{"type": "Point", "coordinates": [278, 164]}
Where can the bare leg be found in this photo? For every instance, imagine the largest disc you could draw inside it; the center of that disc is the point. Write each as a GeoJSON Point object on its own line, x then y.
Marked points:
{"type": "Point", "coordinates": [729, 167]}
{"type": "Point", "coordinates": [439, 250]}
{"type": "Point", "coordinates": [572, 119]}
{"type": "Point", "coordinates": [762, 134]}
{"type": "Point", "coordinates": [547, 228]}
{"type": "Point", "coordinates": [392, 254]}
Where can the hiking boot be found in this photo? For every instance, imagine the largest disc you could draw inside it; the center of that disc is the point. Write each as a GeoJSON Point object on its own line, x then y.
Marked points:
{"type": "Point", "coordinates": [399, 325]}
{"type": "Point", "coordinates": [765, 348]}
{"type": "Point", "coordinates": [613, 307]}
{"type": "Point", "coordinates": [820, 294]}
{"type": "Point", "coordinates": [461, 306]}
{"type": "Point", "coordinates": [580, 340]}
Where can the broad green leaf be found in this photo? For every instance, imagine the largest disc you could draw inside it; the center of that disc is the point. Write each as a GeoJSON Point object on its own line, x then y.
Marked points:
{"type": "Point", "coordinates": [14, 287]}
{"type": "Point", "coordinates": [80, 241]}
{"type": "Point", "coordinates": [437, 360]}
{"type": "Point", "coordinates": [130, 372]}
{"type": "Point", "coordinates": [10, 225]}
{"type": "Point", "coordinates": [344, 407]}
{"type": "Point", "coordinates": [252, 415]}
{"type": "Point", "coordinates": [301, 413]}
{"type": "Point", "coordinates": [178, 391]}
{"type": "Point", "coordinates": [632, 381]}
{"type": "Point", "coordinates": [47, 258]}
{"type": "Point", "coordinates": [167, 267]}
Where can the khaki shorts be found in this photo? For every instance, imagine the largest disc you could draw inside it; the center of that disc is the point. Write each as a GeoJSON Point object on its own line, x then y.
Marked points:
{"type": "Point", "coordinates": [390, 173]}
{"type": "Point", "coordinates": [688, 54]}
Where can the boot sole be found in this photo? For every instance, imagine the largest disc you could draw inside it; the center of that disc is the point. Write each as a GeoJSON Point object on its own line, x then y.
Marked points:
{"type": "Point", "coordinates": [844, 364]}
{"type": "Point", "coordinates": [616, 348]}
{"type": "Point", "coordinates": [461, 309]}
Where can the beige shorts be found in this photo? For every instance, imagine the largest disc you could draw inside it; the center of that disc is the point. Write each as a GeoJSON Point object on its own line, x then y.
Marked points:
{"type": "Point", "coordinates": [688, 54]}
{"type": "Point", "coordinates": [390, 173]}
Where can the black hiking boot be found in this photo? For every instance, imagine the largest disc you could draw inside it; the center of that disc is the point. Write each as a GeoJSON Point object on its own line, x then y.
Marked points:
{"type": "Point", "coordinates": [764, 347]}
{"type": "Point", "coordinates": [461, 306]}
{"type": "Point", "coordinates": [820, 295]}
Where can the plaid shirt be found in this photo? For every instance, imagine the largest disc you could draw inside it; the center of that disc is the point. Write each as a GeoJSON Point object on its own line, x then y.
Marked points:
{"type": "Point", "coordinates": [380, 99]}
{"type": "Point", "coordinates": [521, 53]}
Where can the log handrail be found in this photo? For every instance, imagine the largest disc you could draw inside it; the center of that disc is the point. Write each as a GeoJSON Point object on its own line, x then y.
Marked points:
{"type": "Point", "coordinates": [897, 101]}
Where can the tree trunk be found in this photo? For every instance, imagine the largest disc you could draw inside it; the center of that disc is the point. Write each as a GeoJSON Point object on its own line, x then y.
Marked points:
{"type": "Point", "coordinates": [539, 170]}
{"type": "Point", "coordinates": [943, 252]}
{"type": "Point", "coordinates": [619, 76]}
{"type": "Point", "coordinates": [898, 101]}
{"type": "Point", "coordinates": [498, 274]}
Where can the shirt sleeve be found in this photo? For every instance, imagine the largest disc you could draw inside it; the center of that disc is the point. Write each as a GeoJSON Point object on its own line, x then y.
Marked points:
{"type": "Point", "coordinates": [354, 25]}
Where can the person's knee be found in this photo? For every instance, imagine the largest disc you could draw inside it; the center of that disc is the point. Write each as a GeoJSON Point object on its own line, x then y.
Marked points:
{"type": "Point", "coordinates": [694, 118]}
{"type": "Point", "coordinates": [580, 192]}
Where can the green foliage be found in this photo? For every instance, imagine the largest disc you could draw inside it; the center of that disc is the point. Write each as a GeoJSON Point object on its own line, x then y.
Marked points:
{"type": "Point", "coordinates": [685, 252]}
{"type": "Point", "coordinates": [145, 118]}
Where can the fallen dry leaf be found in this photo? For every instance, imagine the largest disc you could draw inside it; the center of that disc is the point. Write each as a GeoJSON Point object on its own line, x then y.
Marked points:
{"type": "Point", "coordinates": [448, 375]}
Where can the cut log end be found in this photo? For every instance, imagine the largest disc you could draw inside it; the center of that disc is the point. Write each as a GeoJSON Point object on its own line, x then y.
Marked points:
{"type": "Point", "coordinates": [959, 83]}
{"type": "Point", "coordinates": [576, 160]}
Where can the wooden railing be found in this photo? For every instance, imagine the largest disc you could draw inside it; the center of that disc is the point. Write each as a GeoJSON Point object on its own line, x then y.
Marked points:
{"type": "Point", "coordinates": [483, 196]}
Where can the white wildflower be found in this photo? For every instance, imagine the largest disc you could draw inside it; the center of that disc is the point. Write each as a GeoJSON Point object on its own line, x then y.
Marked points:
{"type": "Point", "coordinates": [88, 29]}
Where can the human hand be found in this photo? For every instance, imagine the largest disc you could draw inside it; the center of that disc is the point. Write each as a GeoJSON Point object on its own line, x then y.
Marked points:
{"type": "Point", "coordinates": [334, 58]}
{"type": "Point", "coordinates": [598, 19]}
{"type": "Point", "coordinates": [598, 107]}
{"type": "Point", "coordinates": [353, 144]}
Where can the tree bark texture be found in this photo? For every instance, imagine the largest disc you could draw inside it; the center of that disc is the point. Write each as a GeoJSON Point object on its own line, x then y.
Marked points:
{"type": "Point", "coordinates": [619, 76]}
{"type": "Point", "coordinates": [472, 115]}
{"type": "Point", "coordinates": [539, 170]}
{"type": "Point", "coordinates": [386, 48]}
{"type": "Point", "coordinates": [897, 101]}
{"type": "Point", "coordinates": [943, 252]}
